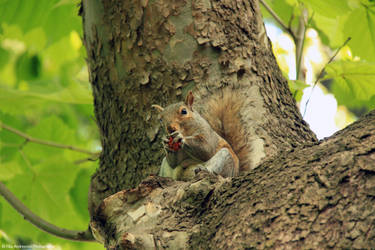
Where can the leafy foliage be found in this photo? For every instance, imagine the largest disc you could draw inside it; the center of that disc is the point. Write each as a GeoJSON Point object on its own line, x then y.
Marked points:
{"type": "Point", "coordinates": [354, 83]}
{"type": "Point", "coordinates": [335, 21]}
{"type": "Point", "coordinates": [45, 93]}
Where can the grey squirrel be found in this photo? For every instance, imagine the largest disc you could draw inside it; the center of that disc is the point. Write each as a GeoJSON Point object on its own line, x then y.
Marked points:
{"type": "Point", "coordinates": [214, 141]}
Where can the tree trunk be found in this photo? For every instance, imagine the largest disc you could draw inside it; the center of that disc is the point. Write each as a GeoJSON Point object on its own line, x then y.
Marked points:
{"type": "Point", "coordinates": [142, 53]}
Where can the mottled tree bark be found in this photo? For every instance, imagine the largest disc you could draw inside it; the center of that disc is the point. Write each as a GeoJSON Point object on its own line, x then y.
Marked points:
{"type": "Point", "coordinates": [146, 52]}
{"type": "Point", "coordinates": [312, 197]}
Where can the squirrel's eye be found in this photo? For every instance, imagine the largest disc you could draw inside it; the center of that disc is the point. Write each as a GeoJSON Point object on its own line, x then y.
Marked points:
{"type": "Point", "coordinates": [183, 111]}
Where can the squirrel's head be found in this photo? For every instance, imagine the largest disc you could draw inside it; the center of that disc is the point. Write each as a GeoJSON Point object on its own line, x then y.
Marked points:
{"type": "Point", "coordinates": [174, 116]}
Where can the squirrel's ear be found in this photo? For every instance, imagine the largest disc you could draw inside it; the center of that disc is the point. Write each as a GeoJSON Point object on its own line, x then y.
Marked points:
{"type": "Point", "coordinates": [189, 99]}
{"type": "Point", "coordinates": [160, 108]}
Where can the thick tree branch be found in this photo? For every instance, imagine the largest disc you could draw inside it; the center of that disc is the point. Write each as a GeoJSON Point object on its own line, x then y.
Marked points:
{"type": "Point", "coordinates": [40, 223]}
{"type": "Point", "coordinates": [28, 138]}
{"type": "Point", "coordinates": [320, 195]}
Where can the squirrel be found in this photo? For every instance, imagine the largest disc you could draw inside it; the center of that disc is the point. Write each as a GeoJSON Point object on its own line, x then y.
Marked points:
{"type": "Point", "coordinates": [214, 142]}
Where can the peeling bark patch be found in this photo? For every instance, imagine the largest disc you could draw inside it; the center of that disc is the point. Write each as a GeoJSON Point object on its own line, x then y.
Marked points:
{"type": "Point", "coordinates": [141, 216]}
{"type": "Point", "coordinates": [182, 45]}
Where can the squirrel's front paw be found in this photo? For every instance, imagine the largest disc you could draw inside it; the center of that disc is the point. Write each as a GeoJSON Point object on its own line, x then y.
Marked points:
{"type": "Point", "coordinates": [174, 142]}
{"type": "Point", "coordinates": [201, 172]}
{"type": "Point", "coordinates": [200, 168]}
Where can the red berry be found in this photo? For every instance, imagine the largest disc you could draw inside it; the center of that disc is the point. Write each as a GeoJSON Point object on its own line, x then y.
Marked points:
{"type": "Point", "coordinates": [175, 146]}
{"type": "Point", "coordinates": [170, 142]}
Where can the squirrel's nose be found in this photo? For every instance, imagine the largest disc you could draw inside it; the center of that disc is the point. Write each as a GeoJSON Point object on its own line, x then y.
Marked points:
{"type": "Point", "coordinates": [170, 129]}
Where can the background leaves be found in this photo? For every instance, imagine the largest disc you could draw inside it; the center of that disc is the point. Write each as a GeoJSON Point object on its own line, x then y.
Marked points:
{"type": "Point", "coordinates": [45, 93]}
{"type": "Point", "coordinates": [353, 83]}
{"type": "Point", "coordinates": [351, 77]}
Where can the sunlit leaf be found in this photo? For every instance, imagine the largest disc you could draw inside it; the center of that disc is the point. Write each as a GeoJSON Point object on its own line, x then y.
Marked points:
{"type": "Point", "coordinates": [4, 57]}
{"type": "Point", "coordinates": [284, 9]}
{"type": "Point", "coordinates": [331, 28]}
{"type": "Point", "coordinates": [45, 190]}
{"type": "Point", "coordinates": [50, 129]}
{"type": "Point", "coordinates": [61, 52]}
{"type": "Point", "coordinates": [27, 14]}
{"type": "Point", "coordinates": [9, 142]}
{"type": "Point", "coordinates": [297, 87]}
{"type": "Point", "coordinates": [62, 19]}
{"type": "Point", "coordinates": [9, 170]}
{"type": "Point", "coordinates": [21, 102]}
{"type": "Point", "coordinates": [56, 17]}
{"type": "Point", "coordinates": [360, 26]}
{"type": "Point", "coordinates": [28, 67]}
{"type": "Point", "coordinates": [79, 192]}
{"type": "Point", "coordinates": [44, 92]}
{"type": "Point", "coordinates": [353, 82]}
{"type": "Point", "coordinates": [35, 39]}
{"type": "Point", "coordinates": [327, 8]}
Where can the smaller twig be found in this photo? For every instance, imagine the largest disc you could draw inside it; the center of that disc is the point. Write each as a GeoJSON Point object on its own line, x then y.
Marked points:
{"type": "Point", "coordinates": [28, 138]}
{"type": "Point", "coordinates": [299, 42]}
{"type": "Point", "coordinates": [94, 158]}
{"type": "Point", "coordinates": [290, 21]}
{"type": "Point", "coordinates": [278, 19]}
{"type": "Point", "coordinates": [322, 71]}
{"type": "Point", "coordinates": [40, 223]}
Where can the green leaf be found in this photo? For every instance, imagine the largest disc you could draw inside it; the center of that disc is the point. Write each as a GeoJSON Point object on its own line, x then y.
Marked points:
{"type": "Point", "coordinates": [41, 84]}
{"type": "Point", "coordinates": [79, 193]}
{"type": "Point", "coordinates": [297, 87]}
{"type": "Point", "coordinates": [331, 28]}
{"type": "Point", "coordinates": [19, 102]}
{"type": "Point", "coordinates": [58, 18]}
{"type": "Point", "coordinates": [329, 8]}
{"type": "Point", "coordinates": [44, 189]}
{"type": "Point", "coordinates": [9, 170]}
{"type": "Point", "coordinates": [338, 20]}
{"type": "Point", "coordinates": [353, 82]}
{"type": "Point", "coordinates": [22, 102]}
{"type": "Point", "coordinates": [284, 9]}
{"type": "Point", "coordinates": [360, 26]}
{"type": "Point", "coordinates": [50, 129]}
{"type": "Point", "coordinates": [62, 19]}
{"type": "Point", "coordinates": [329, 18]}
{"type": "Point", "coordinates": [62, 52]}
{"type": "Point", "coordinates": [9, 142]}
{"type": "Point", "coordinates": [4, 57]}
{"type": "Point", "coordinates": [28, 67]}
{"type": "Point", "coordinates": [26, 14]}
{"type": "Point", "coordinates": [35, 39]}
{"type": "Point", "coordinates": [4, 238]}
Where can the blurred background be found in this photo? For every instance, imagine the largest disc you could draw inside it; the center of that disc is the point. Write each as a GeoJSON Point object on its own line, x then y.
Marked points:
{"type": "Point", "coordinates": [45, 93]}
{"type": "Point", "coordinates": [330, 95]}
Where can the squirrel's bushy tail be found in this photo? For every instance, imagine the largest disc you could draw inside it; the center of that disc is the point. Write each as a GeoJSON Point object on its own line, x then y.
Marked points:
{"type": "Point", "coordinates": [223, 114]}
